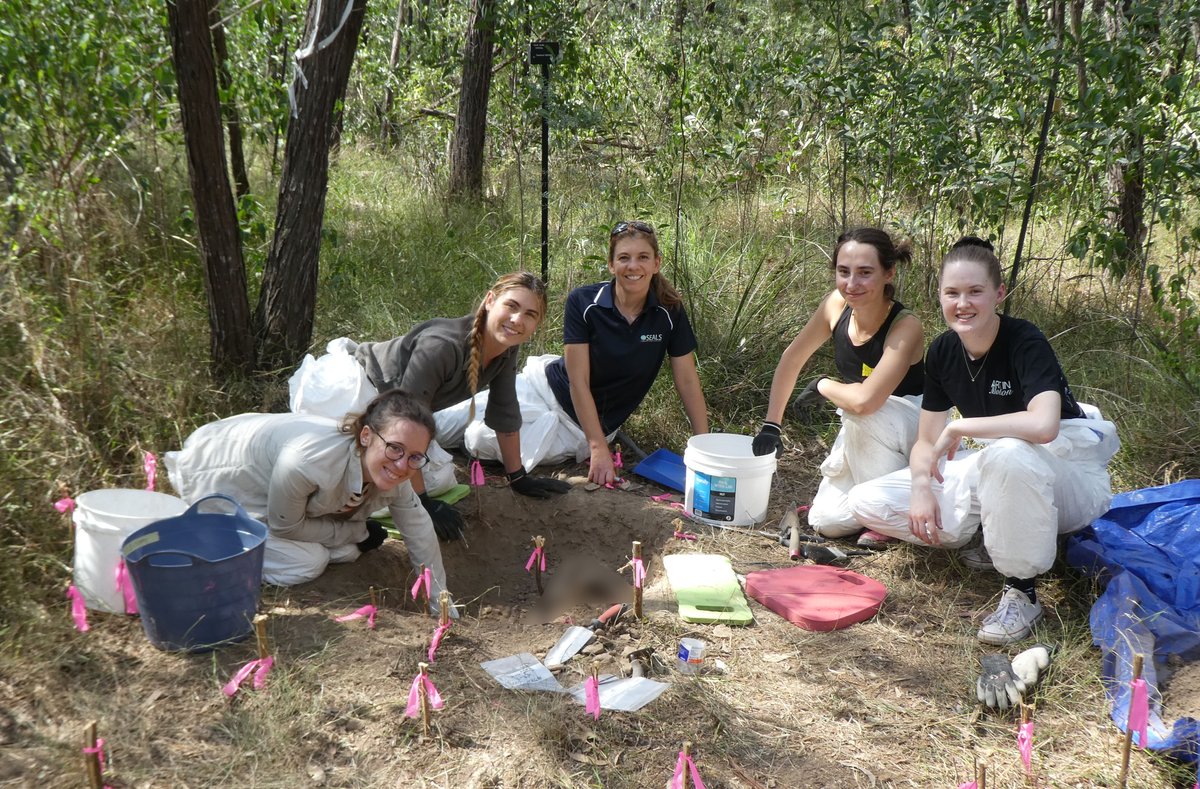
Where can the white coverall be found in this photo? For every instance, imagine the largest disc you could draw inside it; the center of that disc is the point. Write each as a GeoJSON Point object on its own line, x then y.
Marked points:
{"type": "Point", "coordinates": [1023, 494]}
{"type": "Point", "coordinates": [296, 473]}
{"type": "Point", "coordinates": [867, 447]}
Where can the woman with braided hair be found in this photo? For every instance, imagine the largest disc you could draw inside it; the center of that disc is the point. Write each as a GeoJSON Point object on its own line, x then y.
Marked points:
{"type": "Point", "coordinates": [441, 362]}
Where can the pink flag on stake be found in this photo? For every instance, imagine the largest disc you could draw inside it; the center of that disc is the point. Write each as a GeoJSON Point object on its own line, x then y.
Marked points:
{"type": "Point", "coordinates": [617, 462]}
{"type": "Point", "coordinates": [639, 573]}
{"type": "Point", "coordinates": [969, 785]}
{"type": "Point", "coordinates": [259, 667]}
{"type": "Point", "coordinates": [125, 585]}
{"type": "Point", "coordinates": [476, 474]}
{"type": "Point", "coordinates": [97, 749]}
{"type": "Point", "coordinates": [426, 578]}
{"type": "Point", "coordinates": [539, 556]}
{"type": "Point", "coordinates": [1139, 711]}
{"type": "Point", "coordinates": [150, 464]}
{"type": "Point", "coordinates": [65, 505]}
{"type": "Point", "coordinates": [413, 710]}
{"type": "Point", "coordinates": [368, 611]}
{"type": "Point", "coordinates": [78, 609]}
{"type": "Point", "coordinates": [1025, 744]}
{"type": "Point", "coordinates": [685, 762]}
{"type": "Point", "coordinates": [437, 640]}
{"type": "Point", "coordinates": [591, 695]}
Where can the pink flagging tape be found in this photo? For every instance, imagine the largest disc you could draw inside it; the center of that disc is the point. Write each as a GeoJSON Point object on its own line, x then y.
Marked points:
{"type": "Point", "coordinates": [65, 505]}
{"type": "Point", "coordinates": [437, 640]}
{"type": "Point", "coordinates": [685, 762]}
{"type": "Point", "coordinates": [538, 556]}
{"type": "Point", "coordinates": [125, 585]}
{"type": "Point", "coordinates": [259, 667]}
{"type": "Point", "coordinates": [367, 611]}
{"type": "Point", "coordinates": [477, 477]}
{"type": "Point", "coordinates": [78, 609]}
{"type": "Point", "coordinates": [150, 464]}
{"type": "Point", "coordinates": [591, 693]}
{"type": "Point", "coordinates": [426, 577]}
{"type": "Point", "coordinates": [1025, 744]}
{"type": "Point", "coordinates": [413, 710]}
{"type": "Point", "coordinates": [639, 573]}
{"type": "Point", "coordinates": [684, 535]}
{"type": "Point", "coordinates": [1139, 711]}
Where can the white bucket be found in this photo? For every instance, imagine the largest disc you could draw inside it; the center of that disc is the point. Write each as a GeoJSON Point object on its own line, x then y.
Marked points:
{"type": "Point", "coordinates": [726, 482]}
{"type": "Point", "coordinates": [103, 519]}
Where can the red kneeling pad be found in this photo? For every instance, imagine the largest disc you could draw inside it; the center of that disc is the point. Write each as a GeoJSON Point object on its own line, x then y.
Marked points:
{"type": "Point", "coordinates": [817, 597]}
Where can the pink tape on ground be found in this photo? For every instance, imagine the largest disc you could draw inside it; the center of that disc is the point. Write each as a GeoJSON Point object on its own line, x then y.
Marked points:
{"type": "Point", "coordinates": [78, 609]}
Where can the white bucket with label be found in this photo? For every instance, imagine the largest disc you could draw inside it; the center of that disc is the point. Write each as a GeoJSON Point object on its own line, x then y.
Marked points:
{"type": "Point", "coordinates": [726, 482]}
{"type": "Point", "coordinates": [103, 519]}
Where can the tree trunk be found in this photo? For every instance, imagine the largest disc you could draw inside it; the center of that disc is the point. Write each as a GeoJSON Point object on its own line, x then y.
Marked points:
{"type": "Point", "coordinates": [389, 93]}
{"type": "Point", "coordinates": [289, 289]}
{"type": "Point", "coordinates": [231, 343]}
{"type": "Point", "coordinates": [470, 127]}
{"type": "Point", "coordinates": [1080, 59]}
{"type": "Point", "coordinates": [1127, 181]}
{"type": "Point", "coordinates": [237, 158]}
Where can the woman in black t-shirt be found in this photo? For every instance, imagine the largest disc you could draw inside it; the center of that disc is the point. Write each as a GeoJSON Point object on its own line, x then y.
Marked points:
{"type": "Point", "coordinates": [877, 351]}
{"type": "Point", "coordinates": [1043, 469]}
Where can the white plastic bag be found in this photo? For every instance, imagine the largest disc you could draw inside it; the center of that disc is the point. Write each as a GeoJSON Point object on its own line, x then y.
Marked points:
{"type": "Point", "coordinates": [331, 386]}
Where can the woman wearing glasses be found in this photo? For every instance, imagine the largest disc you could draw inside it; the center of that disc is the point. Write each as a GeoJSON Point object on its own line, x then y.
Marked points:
{"type": "Point", "coordinates": [442, 362]}
{"type": "Point", "coordinates": [615, 336]}
{"type": "Point", "coordinates": [314, 481]}
{"type": "Point", "coordinates": [877, 350]}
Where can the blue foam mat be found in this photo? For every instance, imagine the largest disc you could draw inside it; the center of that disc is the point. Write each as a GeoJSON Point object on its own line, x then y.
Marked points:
{"type": "Point", "coordinates": [664, 467]}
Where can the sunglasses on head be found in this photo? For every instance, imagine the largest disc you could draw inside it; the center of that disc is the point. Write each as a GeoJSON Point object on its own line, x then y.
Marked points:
{"type": "Point", "coordinates": [640, 227]}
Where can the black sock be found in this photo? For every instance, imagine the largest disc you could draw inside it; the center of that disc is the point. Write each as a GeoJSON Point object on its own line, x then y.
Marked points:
{"type": "Point", "coordinates": [1025, 585]}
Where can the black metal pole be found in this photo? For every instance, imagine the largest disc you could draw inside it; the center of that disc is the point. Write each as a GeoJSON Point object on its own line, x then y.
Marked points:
{"type": "Point", "coordinates": [545, 174]}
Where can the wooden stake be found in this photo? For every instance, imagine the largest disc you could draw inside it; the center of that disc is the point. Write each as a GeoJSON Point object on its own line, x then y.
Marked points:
{"type": "Point", "coordinates": [982, 775]}
{"type": "Point", "coordinates": [374, 600]}
{"type": "Point", "coordinates": [637, 589]}
{"type": "Point", "coordinates": [687, 774]}
{"type": "Point", "coordinates": [444, 604]}
{"type": "Point", "coordinates": [539, 542]}
{"type": "Point", "coordinates": [260, 634]}
{"type": "Point", "coordinates": [91, 761]}
{"type": "Point", "coordinates": [424, 699]}
{"type": "Point", "coordinates": [1137, 673]}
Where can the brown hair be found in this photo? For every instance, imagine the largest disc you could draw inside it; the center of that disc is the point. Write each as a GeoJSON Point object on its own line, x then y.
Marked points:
{"type": "Point", "coordinates": [388, 408]}
{"type": "Point", "coordinates": [973, 249]}
{"type": "Point", "coordinates": [890, 253]}
{"type": "Point", "coordinates": [513, 281]}
{"type": "Point", "coordinates": [663, 291]}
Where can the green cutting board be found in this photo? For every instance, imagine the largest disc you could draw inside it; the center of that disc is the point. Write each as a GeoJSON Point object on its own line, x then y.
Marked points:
{"type": "Point", "coordinates": [707, 589]}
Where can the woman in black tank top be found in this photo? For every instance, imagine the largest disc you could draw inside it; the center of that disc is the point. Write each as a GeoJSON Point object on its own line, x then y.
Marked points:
{"type": "Point", "coordinates": [878, 347]}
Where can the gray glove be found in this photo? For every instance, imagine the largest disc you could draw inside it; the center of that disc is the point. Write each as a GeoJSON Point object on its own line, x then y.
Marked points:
{"type": "Point", "coordinates": [998, 686]}
{"type": "Point", "coordinates": [1031, 664]}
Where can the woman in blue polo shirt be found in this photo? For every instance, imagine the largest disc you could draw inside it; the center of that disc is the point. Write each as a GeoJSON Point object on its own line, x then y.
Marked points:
{"type": "Point", "coordinates": [615, 336]}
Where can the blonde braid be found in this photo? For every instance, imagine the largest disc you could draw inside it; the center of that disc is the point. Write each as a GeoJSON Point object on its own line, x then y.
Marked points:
{"type": "Point", "coordinates": [475, 344]}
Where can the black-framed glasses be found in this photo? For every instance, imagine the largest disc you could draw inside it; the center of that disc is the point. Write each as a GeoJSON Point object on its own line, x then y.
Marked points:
{"type": "Point", "coordinates": [640, 227]}
{"type": "Point", "coordinates": [397, 452]}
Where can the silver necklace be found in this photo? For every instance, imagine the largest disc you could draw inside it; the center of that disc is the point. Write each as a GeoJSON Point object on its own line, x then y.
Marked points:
{"type": "Point", "coordinates": [967, 363]}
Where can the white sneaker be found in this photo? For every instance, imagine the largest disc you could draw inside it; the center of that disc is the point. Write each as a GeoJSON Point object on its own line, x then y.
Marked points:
{"type": "Point", "coordinates": [1012, 621]}
{"type": "Point", "coordinates": [974, 554]}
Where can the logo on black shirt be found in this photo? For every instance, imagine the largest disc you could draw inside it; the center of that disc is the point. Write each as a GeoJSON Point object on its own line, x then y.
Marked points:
{"type": "Point", "coordinates": [651, 338]}
{"type": "Point", "coordinates": [1001, 389]}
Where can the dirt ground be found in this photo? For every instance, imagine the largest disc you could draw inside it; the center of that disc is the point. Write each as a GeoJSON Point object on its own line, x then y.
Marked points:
{"type": "Point", "coordinates": [886, 703]}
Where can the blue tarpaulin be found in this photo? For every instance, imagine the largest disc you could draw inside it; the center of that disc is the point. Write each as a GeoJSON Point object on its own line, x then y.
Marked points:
{"type": "Point", "coordinates": [1147, 546]}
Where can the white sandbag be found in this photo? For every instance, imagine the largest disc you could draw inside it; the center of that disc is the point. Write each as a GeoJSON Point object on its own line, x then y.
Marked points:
{"type": "Point", "coordinates": [331, 386]}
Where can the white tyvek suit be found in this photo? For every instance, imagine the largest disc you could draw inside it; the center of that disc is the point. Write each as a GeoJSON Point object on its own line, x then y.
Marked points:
{"type": "Point", "coordinates": [1023, 494]}
{"type": "Point", "coordinates": [867, 447]}
{"type": "Point", "coordinates": [296, 473]}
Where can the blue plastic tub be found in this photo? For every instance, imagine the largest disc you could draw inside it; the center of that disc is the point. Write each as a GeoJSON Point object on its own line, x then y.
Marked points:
{"type": "Point", "coordinates": [197, 576]}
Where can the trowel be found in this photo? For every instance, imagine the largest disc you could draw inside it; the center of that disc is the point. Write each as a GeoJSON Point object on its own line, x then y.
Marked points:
{"type": "Point", "coordinates": [577, 636]}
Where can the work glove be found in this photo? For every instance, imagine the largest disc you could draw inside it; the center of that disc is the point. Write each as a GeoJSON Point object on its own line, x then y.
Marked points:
{"type": "Point", "coordinates": [1031, 664]}
{"type": "Point", "coordinates": [447, 523]}
{"type": "Point", "coordinates": [536, 487]}
{"type": "Point", "coordinates": [998, 686]}
{"type": "Point", "coordinates": [769, 439]}
{"type": "Point", "coordinates": [809, 401]}
{"type": "Point", "coordinates": [376, 534]}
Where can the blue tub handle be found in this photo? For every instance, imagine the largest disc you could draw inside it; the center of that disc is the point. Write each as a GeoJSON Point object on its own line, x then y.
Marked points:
{"type": "Point", "coordinates": [237, 508]}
